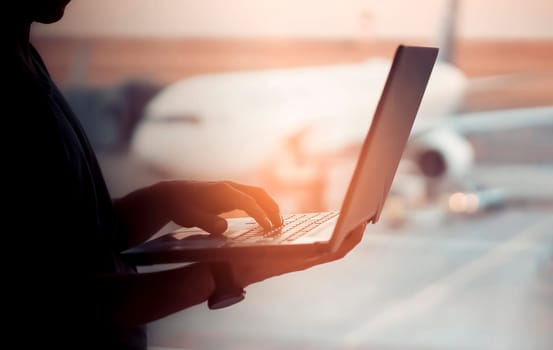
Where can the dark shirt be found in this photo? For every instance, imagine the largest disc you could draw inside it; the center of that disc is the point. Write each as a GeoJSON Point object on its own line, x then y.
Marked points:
{"type": "Point", "coordinates": [68, 232]}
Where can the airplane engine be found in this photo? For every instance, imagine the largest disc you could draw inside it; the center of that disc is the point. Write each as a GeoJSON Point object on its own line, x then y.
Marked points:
{"type": "Point", "coordinates": [442, 154]}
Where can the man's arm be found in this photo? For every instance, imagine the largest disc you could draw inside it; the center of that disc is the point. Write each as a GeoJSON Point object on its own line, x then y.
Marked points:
{"type": "Point", "coordinates": [134, 299]}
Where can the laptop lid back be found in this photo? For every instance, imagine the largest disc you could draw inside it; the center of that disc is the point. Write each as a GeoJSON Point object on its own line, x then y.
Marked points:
{"type": "Point", "coordinates": [386, 139]}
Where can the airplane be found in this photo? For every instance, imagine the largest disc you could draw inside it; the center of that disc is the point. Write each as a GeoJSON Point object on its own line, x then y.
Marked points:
{"type": "Point", "coordinates": [297, 130]}
{"type": "Point", "coordinates": [292, 130]}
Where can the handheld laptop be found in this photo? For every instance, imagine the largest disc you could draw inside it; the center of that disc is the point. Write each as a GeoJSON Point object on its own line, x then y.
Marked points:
{"type": "Point", "coordinates": [312, 234]}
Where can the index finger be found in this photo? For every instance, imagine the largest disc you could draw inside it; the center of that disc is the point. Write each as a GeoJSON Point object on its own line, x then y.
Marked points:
{"type": "Point", "coordinates": [264, 200]}
{"type": "Point", "coordinates": [242, 200]}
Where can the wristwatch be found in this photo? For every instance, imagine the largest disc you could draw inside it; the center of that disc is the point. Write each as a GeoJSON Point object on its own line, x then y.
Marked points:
{"type": "Point", "coordinates": [227, 291]}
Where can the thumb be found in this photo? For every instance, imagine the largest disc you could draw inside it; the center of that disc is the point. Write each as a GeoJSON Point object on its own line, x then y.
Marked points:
{"type": "Point", "coordinates": [207, 222]}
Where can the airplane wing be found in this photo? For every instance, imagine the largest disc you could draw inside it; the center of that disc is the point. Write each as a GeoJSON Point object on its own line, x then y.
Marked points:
{"type": "Point", "coordinates": [489, 121]}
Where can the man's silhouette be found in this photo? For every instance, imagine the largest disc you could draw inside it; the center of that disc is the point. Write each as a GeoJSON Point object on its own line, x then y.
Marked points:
{"type": "Point", "coordinates": [67, 286]}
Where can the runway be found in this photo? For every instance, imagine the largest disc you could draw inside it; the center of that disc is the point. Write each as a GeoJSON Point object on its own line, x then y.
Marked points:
{"type": "Point", "coordinates": [484, 282]}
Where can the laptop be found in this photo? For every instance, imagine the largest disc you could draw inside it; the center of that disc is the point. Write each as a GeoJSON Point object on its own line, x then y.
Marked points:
{"type": "Point", "coordinates": [312, 234]}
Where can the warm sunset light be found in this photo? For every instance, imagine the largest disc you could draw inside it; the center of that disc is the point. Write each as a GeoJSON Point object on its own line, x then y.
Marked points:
{"type": "Point", "coordinates": [249, 134]}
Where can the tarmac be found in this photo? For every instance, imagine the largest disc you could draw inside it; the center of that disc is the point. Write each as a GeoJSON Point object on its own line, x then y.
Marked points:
{"type": "Point", "coordinates": [484, 282]}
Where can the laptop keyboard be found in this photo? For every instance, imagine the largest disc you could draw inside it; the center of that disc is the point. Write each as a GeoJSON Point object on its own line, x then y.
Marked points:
{"type": "Point", "coordinates": [294, 227]}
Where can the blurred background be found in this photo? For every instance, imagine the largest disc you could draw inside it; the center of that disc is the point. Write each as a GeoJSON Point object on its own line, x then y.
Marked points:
{"type": "Point", "coordinates": [281, 94]}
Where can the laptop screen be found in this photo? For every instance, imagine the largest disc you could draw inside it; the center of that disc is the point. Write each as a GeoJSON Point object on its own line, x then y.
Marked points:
{"type": "Point", "coordinates": [385, 142]}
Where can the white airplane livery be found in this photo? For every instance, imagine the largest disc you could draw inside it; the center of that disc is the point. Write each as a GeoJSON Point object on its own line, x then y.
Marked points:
{"type": "Point", "coordinates": [227, 124]}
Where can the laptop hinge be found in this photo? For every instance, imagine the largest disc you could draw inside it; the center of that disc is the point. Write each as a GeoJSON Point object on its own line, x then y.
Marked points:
{"type": "Point", "coordinates": [374, 219]}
